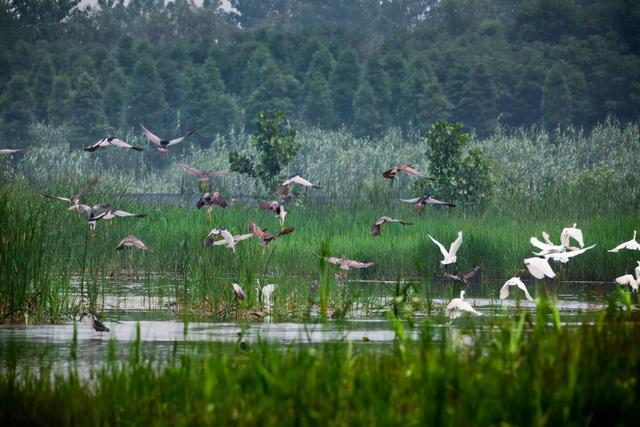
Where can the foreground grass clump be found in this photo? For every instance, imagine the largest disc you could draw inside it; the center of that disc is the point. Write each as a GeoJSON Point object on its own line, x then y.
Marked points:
{"type": "Point", "coordinates": [516, 374]}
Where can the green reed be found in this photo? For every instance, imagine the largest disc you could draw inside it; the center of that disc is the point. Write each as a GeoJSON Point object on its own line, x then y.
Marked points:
{"type": "Point", "coordinates": [516, 372]}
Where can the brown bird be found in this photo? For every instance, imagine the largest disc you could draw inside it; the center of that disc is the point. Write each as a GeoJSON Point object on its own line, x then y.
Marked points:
{"type": "Point", "coordinates": [210, 200]}
{"type": "Point", "coordinates": [283, 189]}
{"type": "Point", "coordinates": [391, 173]}
{"type": "Point", "coordinates": [202, 174]}
{"type": "Point", "coordinates": [111, 141]}
{"type": "Point", "coordinates": [347, 264]}
{"type": "Point", "coordinates": [266, 238]}
{"type": "Point", "coordinates": [238, 291]}
{"type": "Point", "coordinates": [277, 206]}
{"type": "Point", "coordinates": [75, 200]}
{"type": "Point", "coordinates": [375, 230]}
{"type": "Point", "coordinates": [9, 150]}
{"type": "Point", "coordinates": [162, 145]}
{"type": "Point", "coordinates": [215, 238]}
{"type": "Point", "coordinates": [131, 241]}
{"type": "Point", "coordinates": [466, 278]}
{"type": "Point", "coordinates": [422, 201]}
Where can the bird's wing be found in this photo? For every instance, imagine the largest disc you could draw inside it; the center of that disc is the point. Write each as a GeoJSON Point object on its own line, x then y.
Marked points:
{"type": "Point", "coordinates": [266, 205]}
{"type": "Point", "coordinates": [617, 248]}
{"type": "Point", "coordinates": [504, 290]}
{"type": "Point", "coordinates": [192, 170]}
{"type": "Point", "coordinates": [547, 240]}
{"type": "Point", "coordinates": [178, 140]}
{"type": "Point", "coordinates": [90, 184]}
{"type": "Point", "coordinates": [410, 170]}
{"type": "Point", "coordinates": [538, 244]}
{"type": "Point", "coordinates": [64, 199]}
{"type": "Point", "coordinates": [93, 147]}
{"type": "Point", "coordinates": [255, 230]}
{"type": "Point", "coordinates": [357, 264]}
{"type": "Point", "coordinates": [456, 244]}
{"type": "Point", "coordinates": [301, 181]}
{"type": "Point", "coordinates": [539, 268]}
{"type": "Point", "coordinates": [375, 229]}
{"type": "Point", "coordinates": [414, 200]}
{"type": "Point", "coordinates": [9, 150]}
{"type": "Point", "coordinates": [80, 208]}
{"type": "Point", "coordinates": [120, 143]}
{"type": "Point", "coordinates": [151, 137]}
{"type": "Point", "coordinates": [228, 237]}
{"type": "Point", "coordinates": [440, 245]}
{"type": "Point", "coordinates": [242, 237]}
{"type": "Point", "coordinates": [520, 284]}
{"type": "Point", "coordinates": [333, 260]}
{"type": "Point", "coordinates": [123, 214]}
{"type": "Point", "coordinates": [570, 254]}
{"type": "Point", "coordinates": [285, 231]}
{"type": "Point", "coordinates": [575, 234]}
{"type": "Point", "coordinates": [465, 306]}
{"type": "Point", "coordinates": [430, 200]}
{"type": "Point", "coordinates": [624, 280]}
{"type": "Point", "coordinates": [470, 274]}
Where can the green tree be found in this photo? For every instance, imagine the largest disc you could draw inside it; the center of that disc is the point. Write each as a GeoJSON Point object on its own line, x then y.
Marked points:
{"type": "Point", "coordinates": [424, 100]}
{"type": "Point", "coordinates": [275, 142]}
{"type": "Point", "coordinates": [556, 99]}
{"type": "Point", "coordinates": [378, 79]}
{"type": "Point", "coordinates": [343, 84]}
{"type": "Point", "coordinates": [147, 104]}
{"type": "Point", "coordinates": [366, 118]}
{"type": "Point", "coordinates": [115, 98]}
{"type": "Point", "coordinates": [59, 106]}
{"type": "Point", "coordinates": [41, 84]}
{"type": "Point", "coordinates": [318, 106]}
{"type": "Point", "coordinates": [17, 108]}
{"type": "Point", "coordinates": [457, 175]}
{"type": "Point", "coordinates": [277, 91]}
{"type": "Point", "coordinates": [478, 105]}
{"type": "Point", "coordinates": [87, 109]}
{"type": "Point", "coordinates": [125, 54]}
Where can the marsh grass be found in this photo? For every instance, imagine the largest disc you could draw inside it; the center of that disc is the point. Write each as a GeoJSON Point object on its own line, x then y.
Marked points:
{"type": "Point", "coordinates": [519, 371]}
{"type": "Point", "coordinates": [44, 246]}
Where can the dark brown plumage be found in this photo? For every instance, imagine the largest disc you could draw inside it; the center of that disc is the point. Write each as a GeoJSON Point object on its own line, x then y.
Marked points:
{"type": "Point", "coordinates": [391, 173]}
{"type": "Point", "coordinates": [466, 278]}
{"type": "Point", "coordinates": [210, 200]}
{"type": "Point", "coordinates": [375, 230]}
{"type": "Point", "coordinates": [266, 238]}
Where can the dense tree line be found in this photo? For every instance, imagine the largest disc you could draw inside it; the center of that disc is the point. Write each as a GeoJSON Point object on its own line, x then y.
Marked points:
{"type": "Point", "coordinates": [366, 65]}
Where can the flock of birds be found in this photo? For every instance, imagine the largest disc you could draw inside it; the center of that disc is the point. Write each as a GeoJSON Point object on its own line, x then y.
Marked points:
{"type": "Point", "coordinates": [538, 265]}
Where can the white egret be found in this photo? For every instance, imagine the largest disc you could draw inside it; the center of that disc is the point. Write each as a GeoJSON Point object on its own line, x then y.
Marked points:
{"type": "Point", "coordinates": [545, 248]}
{"type": "Point", "coordinates": [569, 233]}
{"type": "Point", "coordinates": [457, 306]}
{"type": "Point", "coordinates": [539, 268]}
{"type": "Point", "coordinates": [631, 245]}
{"type": "Point", "coordinates": [628, 279]}
{"type": "Point", "coordinates": [450, 255]}
{"type": "Point", "coordinates": [563, 257]}
{"type": "Point", "coordinates": [514, 281]}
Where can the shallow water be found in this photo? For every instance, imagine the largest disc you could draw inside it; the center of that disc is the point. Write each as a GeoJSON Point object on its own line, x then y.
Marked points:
{"type": "Point", "coordinates": [132, 306]}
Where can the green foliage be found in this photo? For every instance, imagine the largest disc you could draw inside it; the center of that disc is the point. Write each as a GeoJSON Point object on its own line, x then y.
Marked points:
{"type": "Point", "coordinates": [457, 175]}
{"type": "Point", "coordinates": [343, 84]}
{"type": "Point", "coordinates": [17, 108]}
{"type": "Point", "coordinates": [59, 107]}
{"type": "Point", "coordinates": [276, 145]}
{"type": "Point", "coordinates": [87, 109]}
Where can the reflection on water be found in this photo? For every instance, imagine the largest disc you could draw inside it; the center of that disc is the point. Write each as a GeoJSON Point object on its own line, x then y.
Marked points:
{"type": "Point", "coordinates": [132, 307]}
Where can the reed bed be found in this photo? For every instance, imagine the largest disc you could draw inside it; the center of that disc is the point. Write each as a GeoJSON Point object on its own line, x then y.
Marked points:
{"type": "Point", "coordinates": [521, 371]}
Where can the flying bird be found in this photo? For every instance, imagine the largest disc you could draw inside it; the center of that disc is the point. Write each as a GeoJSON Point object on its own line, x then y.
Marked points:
{"type": "Point", "coordinates": [422, 201]}
{"type": "Point", "coordinates": [111, 141]}
{"type": "Point", "coordinates": [347, 264]}
{"type": "Point", "coordinates": [75, 200]}
{"type": "Point", "coordinates": [631, 245]}
{"type": "Point", "coordinates": [563, 257]}
{"type": "Point", "coordinates": [9, 150]}
{"type": "Point", "coordinates": [238, 291]}
{"type": "Point", "coordinates": [217, 234]}
{"type": "Point", "coordinates": [539, 268]}
{"type": "Point", "coordinates": [283, 189]}
{"type": "Point", "coordinates": [466, 278]}
{"type": "Point", "coordinates": [450, 255]}
{"type": "Point", "coordinates": [375, 230]}
{"type": "Point", "coordinates": [266, 238]}
{"type": "Point", "coordinates": [391, 173]}
{"type": "Point", "coordinates": [458, 306]}
{"type": "Point", "coordinates": [162, 145]}
{"type": "Point", "coordinates": [277, 207]}
{"type": "Point", "coordinates": [569, 233]}
{"type": "Point", "coordinates": [210, 200]}
{"type": "Point", "coordinates": [514, 281]}
{"type": "Point", "coordinates": [546, 247]}
{"type": "Point", "coordinates": [131, 241]}
{"type": "Point", "coordinates": [628, 279]}
{"type": "Point", "coordinates": [203, 176]}
{"type": "Point", "coordinates": [216, 239]}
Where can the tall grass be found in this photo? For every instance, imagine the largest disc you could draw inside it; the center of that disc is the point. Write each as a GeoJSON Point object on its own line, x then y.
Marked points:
{"type": "Point", "coordinates": [514, 374]}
